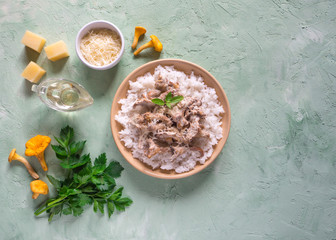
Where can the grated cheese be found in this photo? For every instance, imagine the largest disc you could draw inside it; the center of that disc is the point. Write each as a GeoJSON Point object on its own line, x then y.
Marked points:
{"type": "Point", "coordinates": [100, 46]}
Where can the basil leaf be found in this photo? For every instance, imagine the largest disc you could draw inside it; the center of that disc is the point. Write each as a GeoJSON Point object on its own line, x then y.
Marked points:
{"type": "Point", "coordinates": [158, 101]}
{"type": "Point", "coordinates": [169, 97]}
{"type": "Point", "coordinates": [176, 99]}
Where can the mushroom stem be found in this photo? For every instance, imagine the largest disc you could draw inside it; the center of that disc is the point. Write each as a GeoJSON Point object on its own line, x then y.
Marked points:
{"type": "Point", "coordinates": [155, 42]}
{"type": "Point", "coordinates": [14, 156]}
{"type": "Point", "coordinates": [42, 161]}
{"type": "Point", "coordinates": [35, 195]}
{"type": "Point", "coordinates": [146, 45]}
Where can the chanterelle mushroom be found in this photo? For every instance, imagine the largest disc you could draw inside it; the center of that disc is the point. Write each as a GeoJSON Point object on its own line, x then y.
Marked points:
{"type": "Point", "coordinates": [137, 33]}
{"type": "Point", "coordinates": [155, 42]}
{"type": "Point", "coordinates": [38, 187]}
{"type": "Point", "coordinates": [14, 156]}
{"type": "Point", "coordinates": [36, 146]}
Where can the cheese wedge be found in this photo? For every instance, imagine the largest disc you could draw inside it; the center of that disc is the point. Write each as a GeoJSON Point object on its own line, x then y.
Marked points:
{"type": "Point", "coordinates": [33, 72]}
{"type": "Point", "coordinates": [33, 41]}
{"type": "Point", "coordinates": [56, 51]}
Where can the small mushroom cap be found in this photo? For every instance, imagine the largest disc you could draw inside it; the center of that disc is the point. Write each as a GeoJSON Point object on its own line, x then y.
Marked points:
{"type": "Point", "coordinates": [36, 145]}
{"type": "Point", "coordinates": [140, 30]}
{"type": "Point", "coordinates": [38, 186]}
{"type": "Point", "coordinates": [156, 42]}
{"type": "Point", "coordinates": [11, 155]}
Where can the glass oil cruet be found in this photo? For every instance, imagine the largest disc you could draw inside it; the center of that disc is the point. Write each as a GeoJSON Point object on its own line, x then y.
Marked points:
{"type": "Point", "coordinates": [63, 95]}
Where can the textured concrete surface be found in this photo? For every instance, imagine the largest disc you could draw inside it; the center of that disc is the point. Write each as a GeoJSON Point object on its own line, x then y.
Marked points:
{"type": "Point", "coordinates": [276, 176]}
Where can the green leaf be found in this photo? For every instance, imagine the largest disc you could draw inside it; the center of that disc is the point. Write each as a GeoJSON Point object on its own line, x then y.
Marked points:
{"type": "Point", "coordinates": [83, 176]}
{"type": "Point", "coordinates": [75, 161]}
{"type": "Point", "coordinates": [110, 208]}
{"type": "Point", "coordinates": [99, 164]}
{"type": "Point", "coordinates": [97, 180]}
{"type": "Point", "coordinates": [66, 134]}
{"type": "Point", "coordinates": [88, 189]}
{"type": "Point", "coordinates": [101, 160]}
{"type": "Point", "coordinates": [65, 191]}
{"type": "Point", "coordinates": [119, 207]}
{"type": "Point", "coordinates": [168, 104]}
{"type": "Point", "coordinates": [59, 150]}
{"type": "Point", "coordinates": [114, 169]}
{"type": "Point", "coordinates": [77, 210]}
{"type": "Point", "coordinates": [158, 101]}
{"type": "Point", "coordinates": [125, 201]}
{"type": "Point", "coordinates": [103, 194]}
{"type": "Point", "coordinates": [110, 180]}
{"type": "Point", "coordinates": [56, 210]}
{"type": "Point", "coordinates": [60, 142]}
{"type": "Point", "coordinates": [100, 183]}
{"type": "Point", "coordinates": [168, 97]}
{"type": "Point", "coordinates": [121, 203]}
{"type": "Point", "coordinates": [101, 205]}
{"type": "Point", "coordinates": [55, 182]}
{"type": "Point", "coordinates": [176, 99]}
{"type": "Point", "coordinates": [60, 157]}
{"type": "Point", "coordinates": [117, 194]}
{"type": "Point", "coordinates": [67, 211]}
{"type": "Point", "coordinates": [83, 199]}
{"type": "Point", "coordinates": [66, 182]}
{"type": "Point", "coordinates": [76, 147]}
{"type": "Point", "coordinates": [51, 216]}
{"type": "Point", "coordinates": [95, 205]}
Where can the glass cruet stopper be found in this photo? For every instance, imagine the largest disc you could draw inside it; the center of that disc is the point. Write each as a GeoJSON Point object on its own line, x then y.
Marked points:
{"type": "Point", "coordinates": [63, 95]}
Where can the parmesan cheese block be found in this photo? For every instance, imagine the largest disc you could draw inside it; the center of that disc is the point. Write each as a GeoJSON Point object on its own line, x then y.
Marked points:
{"type": "Point", "coordinates": [33, 41]}
{"type": "Point", "coordinates": [33, 72]}
{"type": "Point", "coordinates": [56, 51]}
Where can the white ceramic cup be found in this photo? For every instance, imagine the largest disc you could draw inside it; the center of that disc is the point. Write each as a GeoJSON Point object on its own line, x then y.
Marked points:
{"type": "Point", "coordinates": [93, 25]}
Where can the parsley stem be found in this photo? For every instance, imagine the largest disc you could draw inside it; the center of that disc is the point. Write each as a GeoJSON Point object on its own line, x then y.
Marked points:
{"type": "Point", "coordinates": [38, 212]}
{"type": "Point", "coordinates": [55, 201]}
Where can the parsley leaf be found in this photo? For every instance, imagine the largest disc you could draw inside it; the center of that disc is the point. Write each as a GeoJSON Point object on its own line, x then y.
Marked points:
{"type": "Point", "coordinates": [86, 184]}
{"type": "Point", "coordinates": [114, 169]}
{"type": "Point", "coordinates": [56, 183]}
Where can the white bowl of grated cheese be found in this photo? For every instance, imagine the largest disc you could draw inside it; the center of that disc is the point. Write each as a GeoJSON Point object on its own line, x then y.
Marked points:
{"type": "Point", "coordinates": [100, 45]}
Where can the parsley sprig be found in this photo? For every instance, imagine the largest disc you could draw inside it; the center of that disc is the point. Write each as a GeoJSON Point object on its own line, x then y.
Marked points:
{"type": "Point", "coordinates": [169, 100]}
{"type": "Point", "coordinates": [86, 183]}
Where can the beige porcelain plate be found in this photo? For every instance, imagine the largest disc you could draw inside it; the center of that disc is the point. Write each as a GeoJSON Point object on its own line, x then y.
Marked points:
{"type": "Point", "coordinates": [187, 68]}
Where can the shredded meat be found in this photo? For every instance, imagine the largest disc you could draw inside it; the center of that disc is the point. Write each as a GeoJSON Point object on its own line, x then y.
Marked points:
{"type": "Point", "coordinates": [166, 129]}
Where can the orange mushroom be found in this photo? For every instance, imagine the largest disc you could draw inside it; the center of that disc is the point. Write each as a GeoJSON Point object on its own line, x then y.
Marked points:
{"type": "Point", "coordinates": [137, 33]}
{"type": "Point", "coordinates": [38, 187]}
{"type": "Point", "coordinates": [155, 42]}
{"type": "Point", "coordinates": [14, 156]}
{"type": "Point", "coordinates": [36, 146]}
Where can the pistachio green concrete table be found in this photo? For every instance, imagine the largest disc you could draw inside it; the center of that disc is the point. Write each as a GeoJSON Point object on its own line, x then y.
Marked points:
{"type": "Point", "coordinates": [276, 176]}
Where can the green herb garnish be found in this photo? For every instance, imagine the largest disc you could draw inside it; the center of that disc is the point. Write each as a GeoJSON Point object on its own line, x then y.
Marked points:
{"type": "Point", "coordinates": [86, 183]}
{"type": "Point", "coordinates": [169, 101]}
